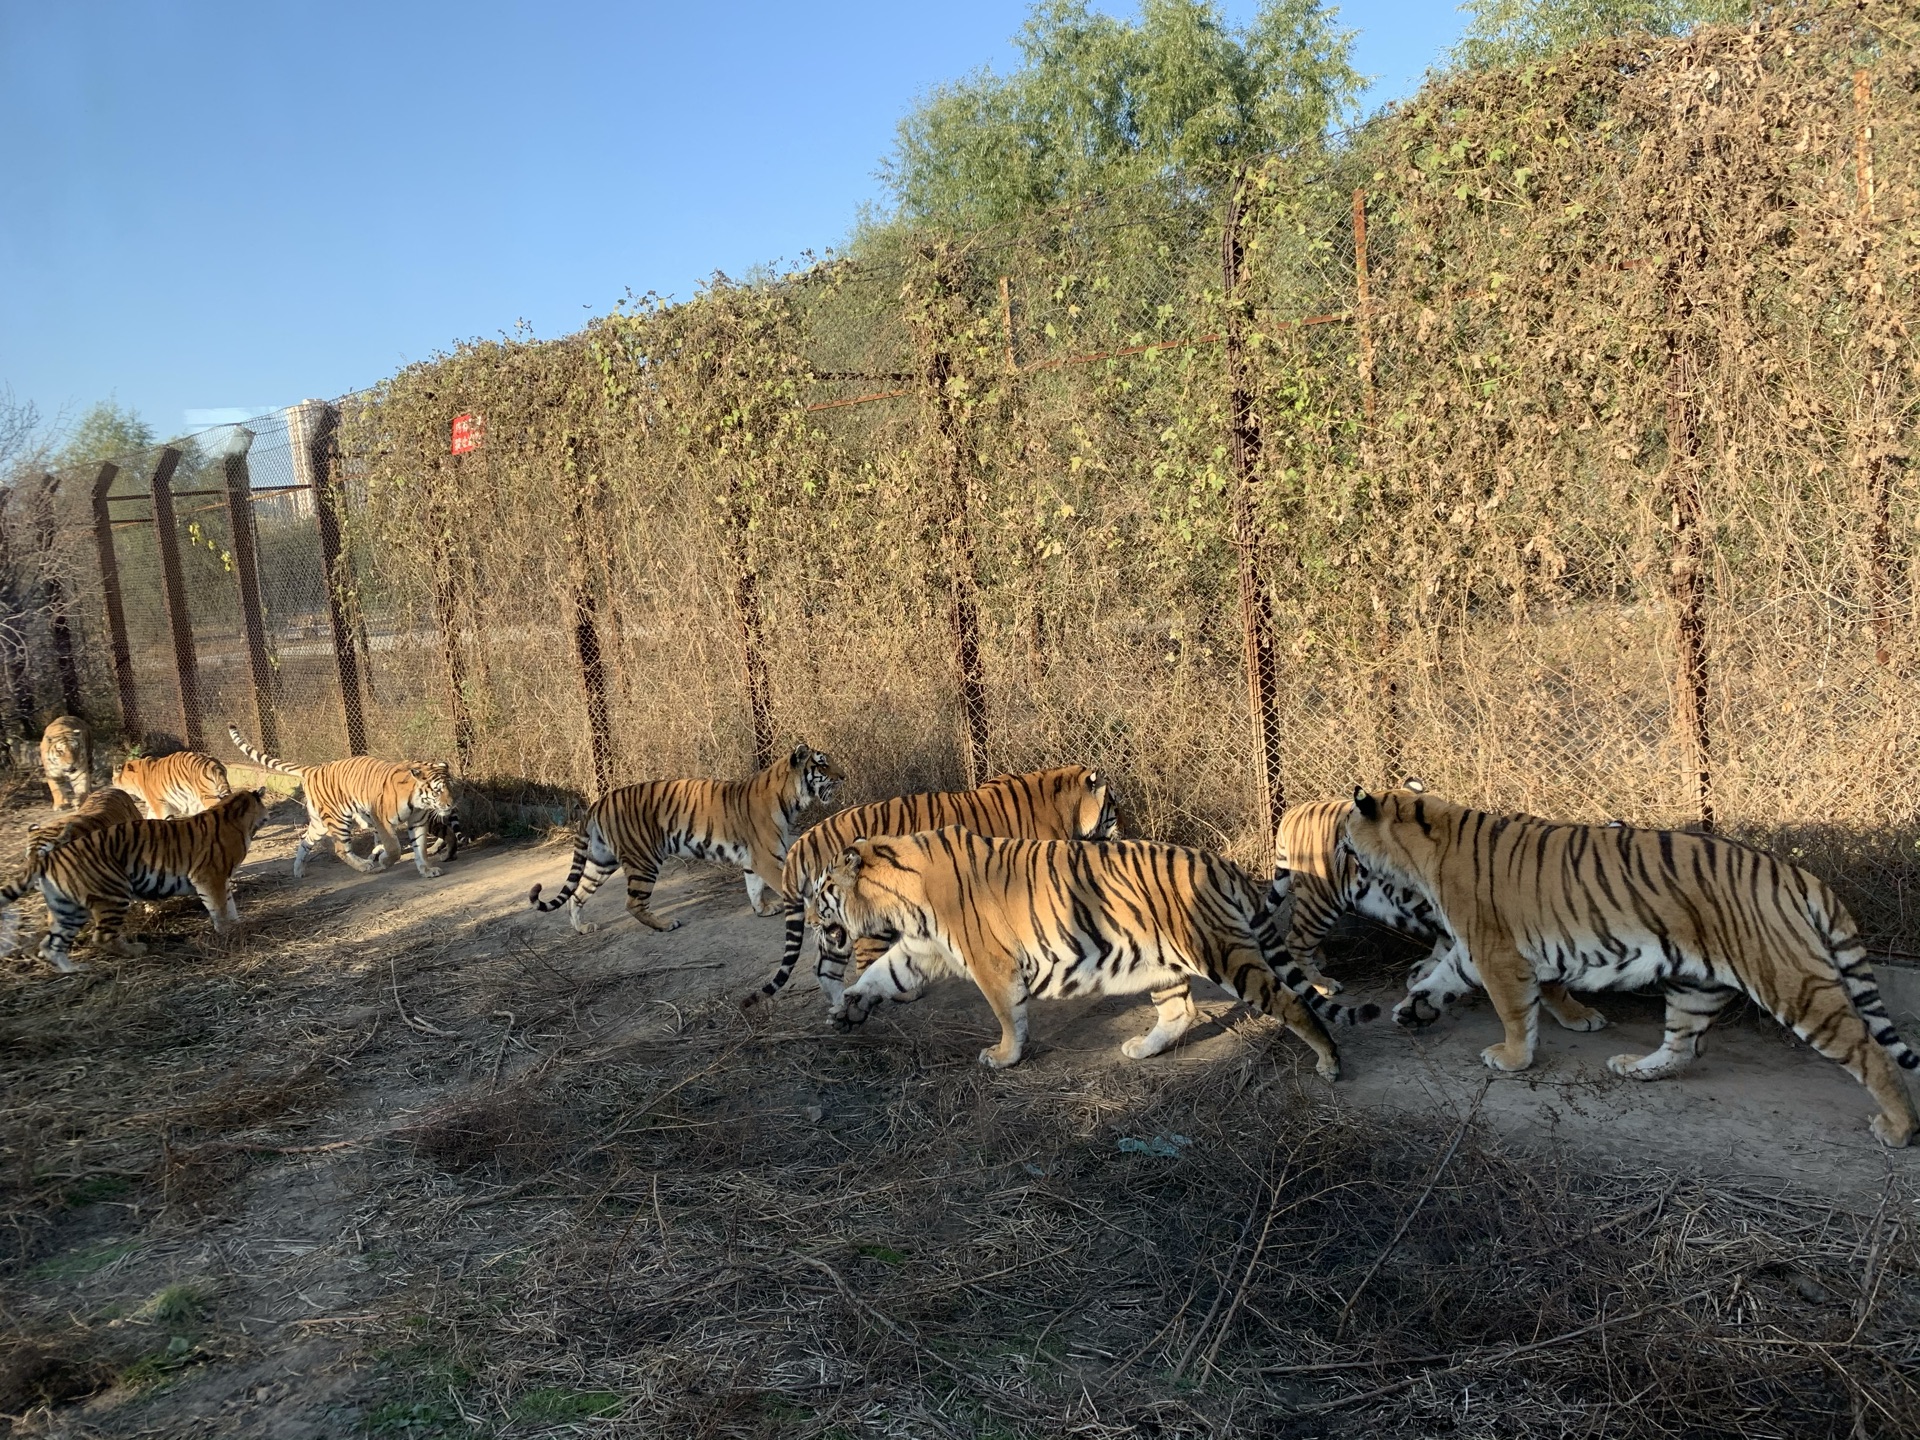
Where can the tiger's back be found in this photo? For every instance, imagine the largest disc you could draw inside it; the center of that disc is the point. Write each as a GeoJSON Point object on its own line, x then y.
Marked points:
{"type": "Point", "coordinates": [101, 872]}
{"type": "Point", "coordinates": [183, 783]}
{"type": "Point", "coordinates": [1593, 907]}
{"type": "Point", "coordinates": [1065, 918]}
{"type": "Point", "coordinates": [1067, 802]}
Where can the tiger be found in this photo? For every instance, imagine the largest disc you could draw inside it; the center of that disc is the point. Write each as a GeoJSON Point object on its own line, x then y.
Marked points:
{"type": "Point", "coordinates": [749, 823]}
{"type": "Point", "coordinates": [1316, 880]}
{"type": "Point", "coordinates": [103, 871]}
{"type": "Point", "coordinates": [1059, 918]}
{"type": "Point", "coordinates": [1067, 803]}
{"type": "Point", "coordinates": [102, 808]}
{"type": "Point", "coordinates": [66, 758]}
{"type": "Point", "coordinates": [183, 783]}
{"type": "Point", "coordinates": [1619, 907]}
{"type": "Point", "coordinates": [389, 798]}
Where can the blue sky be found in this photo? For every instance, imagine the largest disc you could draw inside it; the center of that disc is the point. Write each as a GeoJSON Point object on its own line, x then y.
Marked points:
{"type": "Point", "coordinates": [213, 205]}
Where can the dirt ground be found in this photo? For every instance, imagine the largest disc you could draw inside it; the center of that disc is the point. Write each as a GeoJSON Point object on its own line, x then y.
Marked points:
{"type": "Point", "coordinates": [407, 1159]}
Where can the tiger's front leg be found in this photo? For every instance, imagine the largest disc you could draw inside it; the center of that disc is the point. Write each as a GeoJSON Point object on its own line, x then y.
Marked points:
{"type": "Point", "coordinates": [894, 975]}
{"type": "Point", "coordinates": [756, 894]}
{"type": "Point", "coordinates": [1007, 995]}
{"type": "Point", "coordinates": [218, 899]}
{"type": "Point", "coordinates": [427, 872]}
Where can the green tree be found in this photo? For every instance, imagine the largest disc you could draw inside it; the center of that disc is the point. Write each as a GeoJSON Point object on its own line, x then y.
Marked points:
{"type": "Point", "coordinates": [1504, 33]}
{"type": "Point", "coordinates": [1099, 104]}
{"type": "Point", "coordinates": [105, 432]}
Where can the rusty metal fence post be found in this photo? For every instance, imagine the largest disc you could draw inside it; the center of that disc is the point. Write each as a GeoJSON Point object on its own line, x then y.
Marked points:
{"type": "Point", "coordinates": [1688, 561]}
{"type": "Point", "coordinates": [246, 571]}
{"type": "Point", "coordinates": [1256, 604]}
{"type": "Point", "coordinates": [1874, 432]}
{"type": "Point", "coordinates": [446, 611]}
{"type": "Point", "coordinates": [116, 611]}
{"type": "Point", "coordinates": [746, 610]}
{"type": "Point", "coordinates": [55, 590]}
{"type": "Point", "coordinates": [13, 630]}
{"type": "Point", "coordinates": [173, 584]}
{"type": "Point", "coordinates": [586, 629]}
{"type": "Point", "coordinates": [314, 427]}
{"type": "Point", "coordinates": [964, 608]}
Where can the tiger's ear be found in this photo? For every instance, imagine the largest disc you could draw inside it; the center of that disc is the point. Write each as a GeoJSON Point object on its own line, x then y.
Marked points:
{"type": "Point", "coordinates": [1365, 803]}
{"type": "Point", "coordinates": [1415, 784]}
{"type": "Point", "coordinates": [800, 754]}
{"type": "Point", "coordinates": [1093, 780]}
{"type": "Point", "coordinates": [850, 859]}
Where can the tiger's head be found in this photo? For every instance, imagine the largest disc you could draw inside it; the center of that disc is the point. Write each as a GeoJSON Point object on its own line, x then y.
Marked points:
{"type": "Point", "coordinates": [62, 748]}
{"type": "Point", "coordinates": [432, 787]}
{"type": "Point", "coordinates": [1397, 832]}
{"type": "Point", "coordinates": [1081, 796]}
{"type": "Point", "coordinates": [815, 779]}
{"type": "Point", "coordinates": [245, 808]}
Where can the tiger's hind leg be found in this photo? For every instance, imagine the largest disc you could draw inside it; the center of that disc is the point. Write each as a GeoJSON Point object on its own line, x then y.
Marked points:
{"type": "Point", "coordinates": [1834, 1026]}
{"type": "Point", "coordinates": [66, 918]}
{"type": "Point", "coordinates": [1690, 1010]}
{"type": "Point", "coordinates": [315, 836]}
{"type": "Point", "coordinates": [641, 876]}
{"type": "Point", "coordinates": [1569, 1013]}
{"type": "Point", "coordinates": [109, 926]}
{"type": "Point", "coordinates": [1174, 1015]}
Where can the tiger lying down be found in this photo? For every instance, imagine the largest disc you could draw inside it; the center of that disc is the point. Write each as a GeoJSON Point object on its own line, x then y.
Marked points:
{"type": "Point", "coordinates": [1059, 918]}
{"type": "Point", "coordinates": [1530, 903]}
{"type": "Point", "coordinates": [102, 870]}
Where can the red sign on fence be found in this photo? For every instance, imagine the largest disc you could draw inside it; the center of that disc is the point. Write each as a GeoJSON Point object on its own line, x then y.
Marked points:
{"type": "Point", "coordinates": [467, 433]}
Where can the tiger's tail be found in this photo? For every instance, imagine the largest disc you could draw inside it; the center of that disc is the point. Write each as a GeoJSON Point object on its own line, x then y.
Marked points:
{"type": "Point", "coordinates": [566, 891]}
{"type": "Point", "coordinates": [789, 955]}
{"type": "Point", "coordinates": [9, 917]}
{"type": "Point", "coordinates": [1849, 956]}
{"type": "Point", "coordinates": [265, 761]}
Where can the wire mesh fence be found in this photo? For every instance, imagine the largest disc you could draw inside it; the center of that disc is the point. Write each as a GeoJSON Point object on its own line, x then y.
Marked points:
{"type": "Point", "coordinates": [1549, 441]}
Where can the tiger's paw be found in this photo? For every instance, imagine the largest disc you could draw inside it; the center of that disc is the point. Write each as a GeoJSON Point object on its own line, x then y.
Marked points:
{"type": "Point", "coordinates": [1635, 1067]}
{"type": "Point", "coordinates": [1892, 1133]}
{"type": "Point", "coordinates": [1506, 1058]}
{"type": "Point", "coordinates": [1415, 1012]}
{"type": "Point", "coordinates": [432, 872]}
{"type": "Point", "coordinates": [1328, 1068]}
{"type": "Point", "coordinates": [1583, 1024]}
{"type": "Point", "coordinates": [1327, 985]}
{"type": "Point", "coordinates": [993, 1060]}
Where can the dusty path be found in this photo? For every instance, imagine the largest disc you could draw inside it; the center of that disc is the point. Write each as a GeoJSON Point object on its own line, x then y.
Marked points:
{"type": "Point", "coordinates": [262, 1188]}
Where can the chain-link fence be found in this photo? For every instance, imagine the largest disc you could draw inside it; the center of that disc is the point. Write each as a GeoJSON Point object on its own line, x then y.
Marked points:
{"type": "Point", "coordinates": [1548, 440]}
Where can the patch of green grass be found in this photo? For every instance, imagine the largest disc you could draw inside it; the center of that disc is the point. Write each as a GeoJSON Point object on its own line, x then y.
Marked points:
{"type": "Point", "coordinates": [177, 1304]}
{"type": "Point", "coordinates": [416, 1419]}
{"type": "Point", "coordinates": [76, 1264]}
{"type": "Point", "coordinates": [158, 1367]}
{"type": "Point", "coordinates": [94, 1189]}
{"type": "Point", "coordinates": [556, 1402]}
{"type": "Point", "coordinates": [886, 1255]}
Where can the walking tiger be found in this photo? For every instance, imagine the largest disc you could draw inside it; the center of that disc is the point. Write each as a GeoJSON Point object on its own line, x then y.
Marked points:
{"type": "Point", "coordinates": [1059, 918]}
{"type": "Point", "coordinates": [1614, 907]}
{"type": "Point", "coordinates": [399, 803]}
{"type": "Point", "coordinates": [1070, 802]}
{"type": "Point", "coordinates": [749, 823]}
